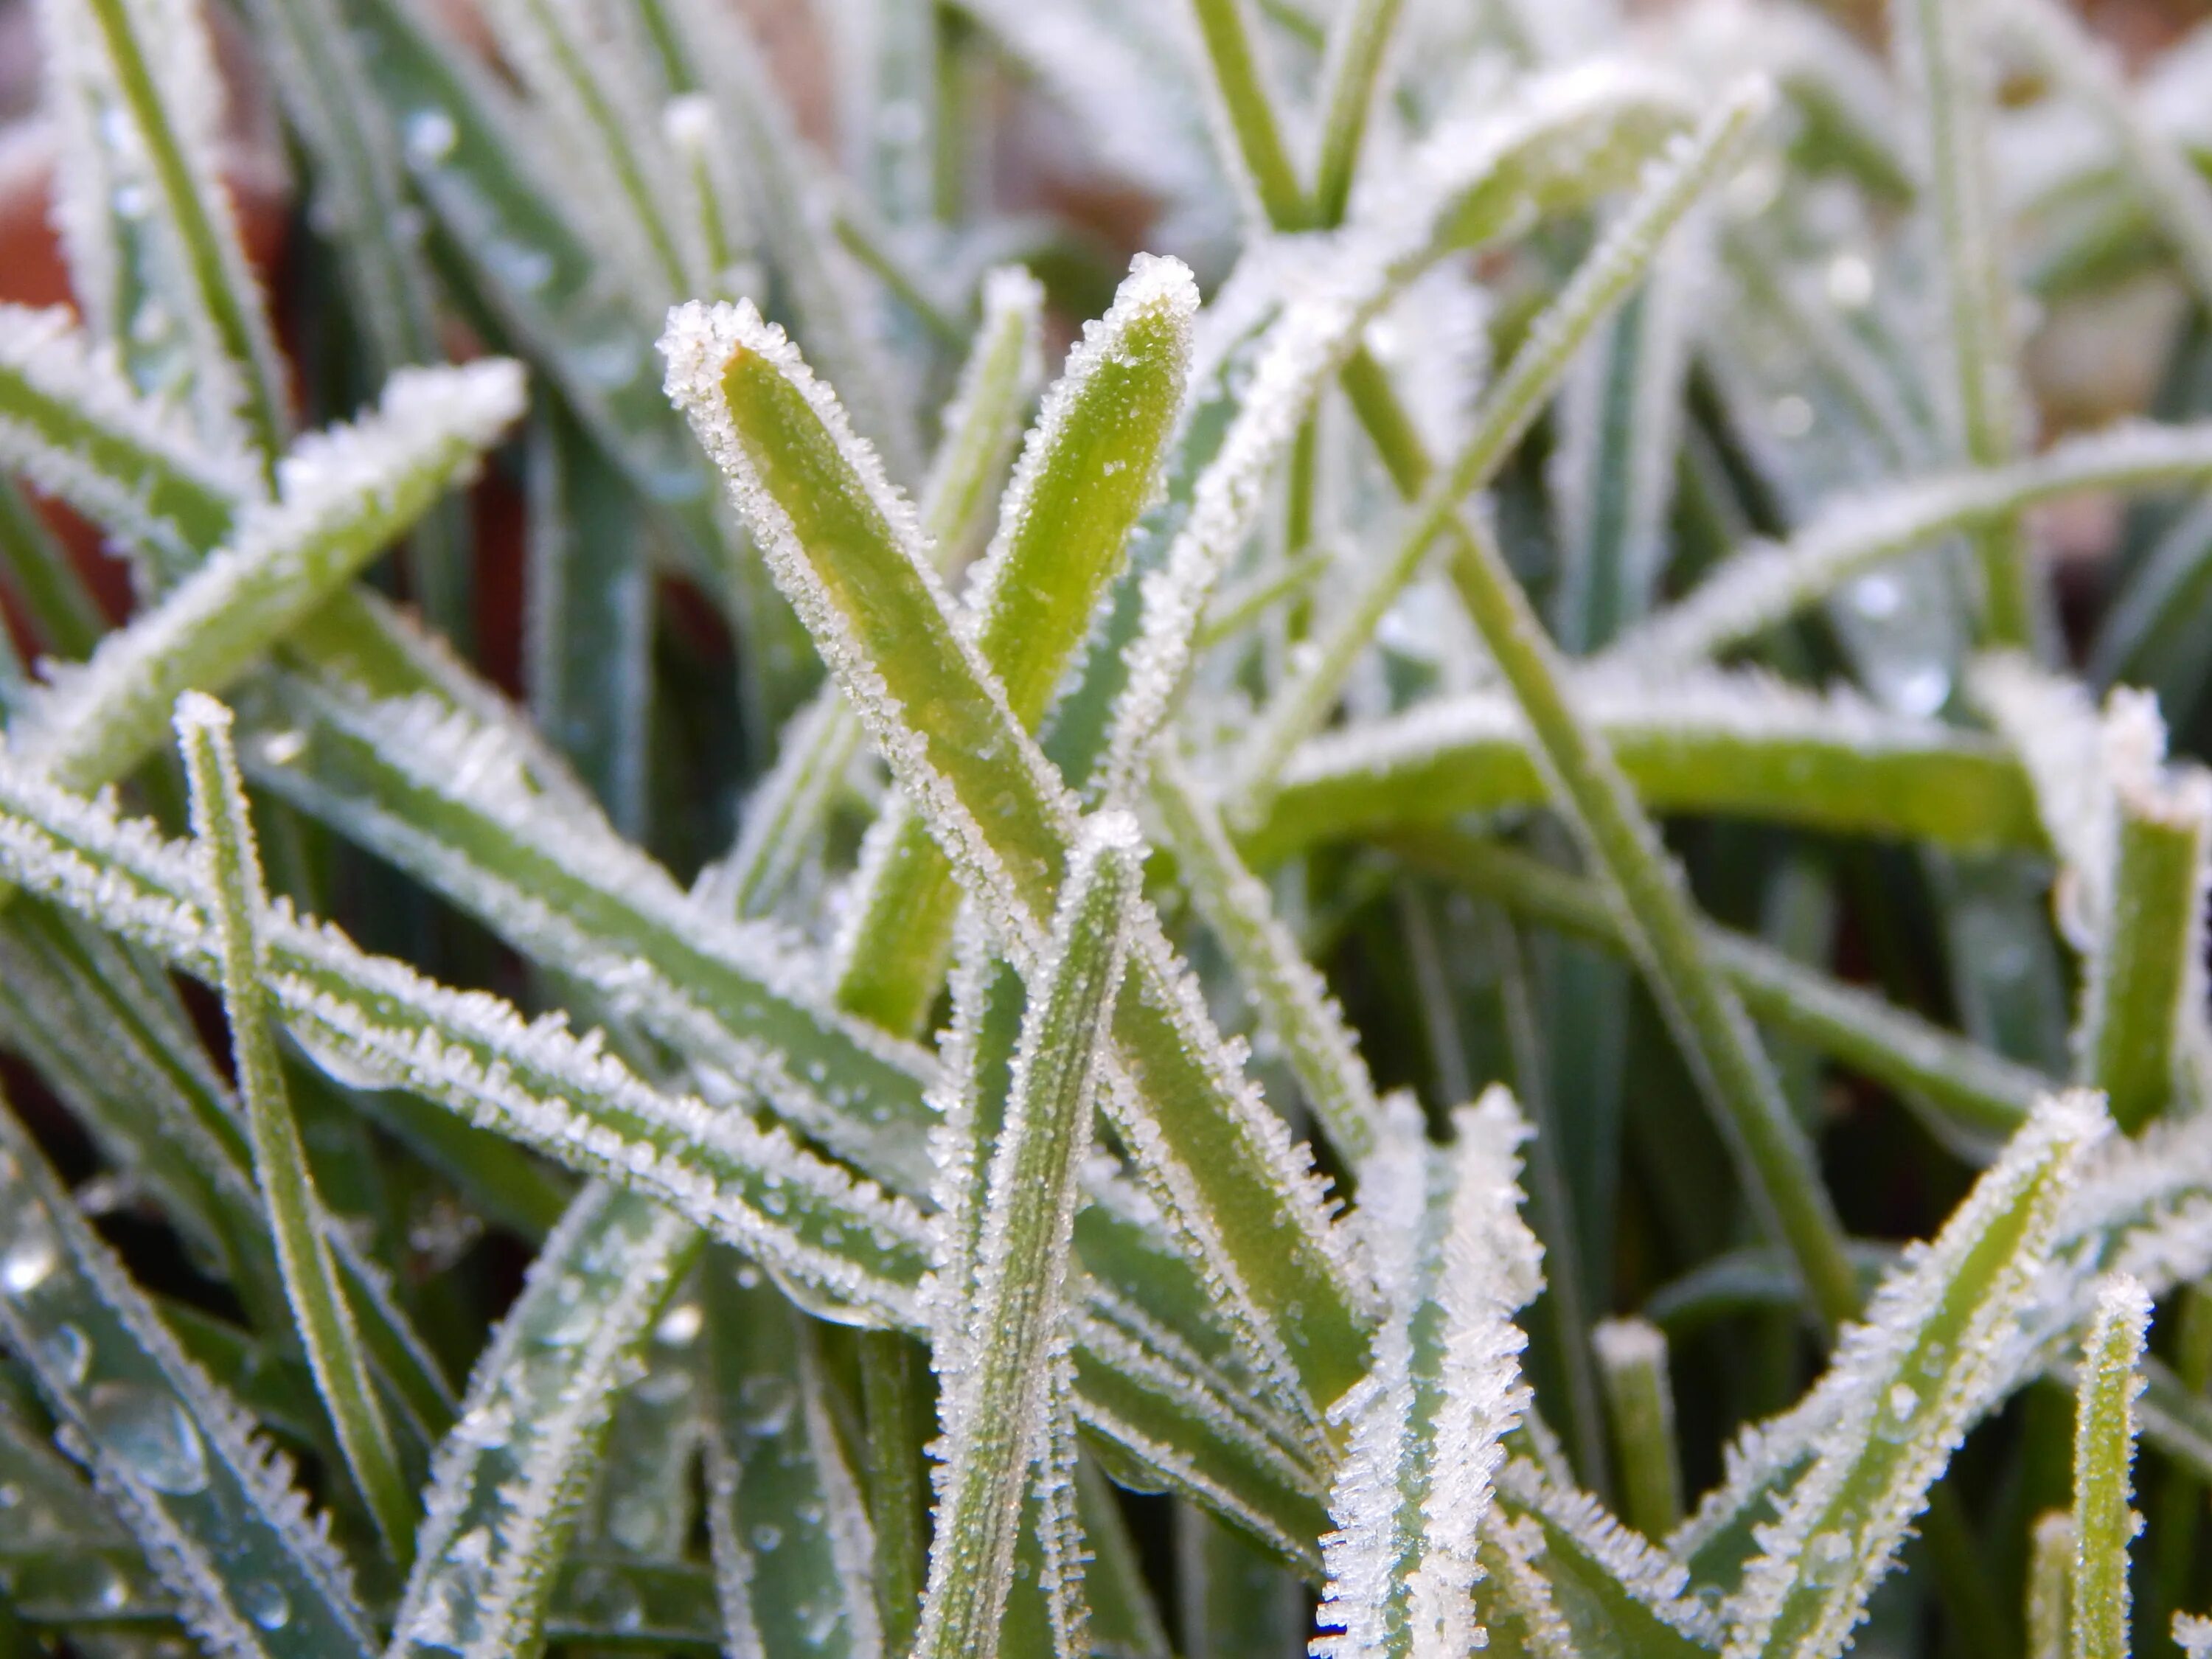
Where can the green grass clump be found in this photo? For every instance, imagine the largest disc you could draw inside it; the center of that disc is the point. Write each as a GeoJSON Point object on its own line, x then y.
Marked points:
{"type": "Point", "coordinates": [1488, 934]}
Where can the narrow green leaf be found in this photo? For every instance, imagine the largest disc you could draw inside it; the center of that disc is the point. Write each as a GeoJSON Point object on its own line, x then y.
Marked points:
{"type": "Point", "coordinates": [42, 577]}
{"type": "Point", "coordinates": [342, 496]}
{"type": "Point", "coordinates": [1089, 468]}
{"type": "Point", "coordinates": [792, 1546]}
{"type": "Point", "coordinates": [1234, 1600]}
{"type": "Point", "coordinates": [334, 1351]}
{"type": "Point", "coordinates": [842, 545]}
{"type": "Point", "coordinates": [896, 1432]}
{"type": "Point", "coordinates": [504, 1489]}
{"type": "Point", "coordinates": [2104, 1456]}
{"type": "Point", "coordinates": [998, 1401]}
{"type": "Point", "coordinates": [128, 67]}
{"type": "Point", "coordinates": [1238, 83]}
{"type": "Point", "coordinates": [1762, 587]}
{"type": "Point", "coordinates": [214, 1511]}
{"type": "Point", "coordinates": [2051, 1586]}
{"type": "Point", "coordinates": [1351, 71]}
{"type": "Point", "coordinates": [1903, 1389]}
{"type": "Point", "coordinates": [1640, 1397]}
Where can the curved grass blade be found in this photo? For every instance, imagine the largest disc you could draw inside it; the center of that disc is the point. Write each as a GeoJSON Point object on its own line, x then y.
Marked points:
{"type": "Point", "coordinates": [2104, 1454]}
{"type": "Point", "coordinates": [792, 1545]}
{"type": "Point", "coordinates": [296, 1220]}
{"type": "Point", "coordinates": [1089, 468]}
{"type": "Point", "coordinates": [999, 1405]}
{"type": "Point", "coordinates": [214, 1511]}
{"type": "Point", "coordinates": [841, 544]}
{"type": "Point", "coordinates": [1902, 1390]}
{"type": "Point", "coordinates": [131, 67]}
{"type": "Point", "coordinates": [343, 495]}
{"type": "Point", "coordinates": [1701, 744]}
{"type": "Point", "coordinates": [506, 1483]}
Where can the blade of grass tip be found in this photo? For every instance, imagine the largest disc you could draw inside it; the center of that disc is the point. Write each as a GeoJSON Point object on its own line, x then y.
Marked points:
{"type": "Point", "coordinates": [1901, 1391]}
{"type": "Point", "coordinates": [213, 1509]}
{"type": "Point", "coordinates": [997, 1431]}
{"type": "Point", "coordinates": [2087, 69]}
{"type": "Point", "coordinates": [782, 817]}
{"type": "Point", "coordinates": [1351, 75]}
{"type": "Point", "coordinates": [131, 66]}
{"type": "Point", "coordinates": [2051, 1586]}
{"type": "Point", "coordinates": [2146, 980]}
{"type": "Point", "coordinates": [44, 580]}
{"type": "Point", "coordinates": [1937, 56]}
{"type": "Point", "coordinates": [2104, 1456]}
{"type": "Point", "coordinates": [73, 427]}
{"type": "Point", "coordinates": [1640, 1397]}
{"type": "Point", "coordinates": [1511, 404]}
{"type": "Point", "coordinates": [789, 1526]}
{"type": "Point", "coordinates": [1089, 467]}
{"type": "Point", "coordinates": [890, 63]}
{"type": "Point", "coordinates": [1765, 586]}
{"type": "Point", "coordinates": [343, 495]}
{"type": "Point", "coordinates": [588, 632]}
{"type": "Point", "coordinates": [1217, 1161]}
{"type": "Point", "coordinates": [1244, 109]}
{"type": "Point", "coordinates": [711, 196]}
{"type": "Point", "coordinates": [1293, 998]}
{"type": "Point", "coordinates": [225, 836]}
{"type": "Point", "coordinates": [506, 1483]}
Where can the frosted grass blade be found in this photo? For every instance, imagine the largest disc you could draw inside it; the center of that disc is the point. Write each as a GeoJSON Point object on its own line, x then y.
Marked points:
{"type": "Point", "coordinates": [1764, 586]}
{"type": "Point", "coordinates": [342, 496]}
{"type": "Point", "coordinates": [1932, 43]}
{"type": "Point", "coordinates": [1245, 109]}
{"type": "Point", "coordinates": [505, 1485]}
{"type": "Point", "coordinates": [1507, 410]}
{"type": "Point", "coordinates": [1631, 1357]}
{"type": "Point", "coordinates": [792, 1545]}
{"type": "Point", "coordinates": [587, 635]}
{"type": "Point", "coordinates": [998, 1407]}
{"type": "Point", "coordinates": [1089, 467]}
{"type": "Point", "coordinates": [147, 70]}
{"type": "Point", "coordinates": [2049, 1586]}
{"type": "Point", "coordinates": [214, 1510]}
{"type": "Point", "coordinates": [2104, 1454]}
{"type": "Point", "coordinates": [843, 546]}
{"type": "Point", "coordinates": [72, 426]}
{"type": "Point", "coordinates": [296, 1222]}
{"type": "Point", "coordinates": [1901, 1391]}
{"type": "Point", "coordinates": [1352, 79]}
{"type": "Point", "coordinates": [41, 576]}
{"type": "Point", "coordinates": [1705, 744]}
{"type": "Point", "coordinates": [1293, 998]}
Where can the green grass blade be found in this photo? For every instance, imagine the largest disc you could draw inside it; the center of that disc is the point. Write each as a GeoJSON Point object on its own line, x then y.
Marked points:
{"type": "Point", "coordinates": [1358, 41]}
{"type": "Point", "coordinates": [214, 1511]}
{"type": "Point", "coordinates": [127, 66]}
{"type": "Point", "coordinates": [42, 578]}
{"type": "Point", "coordinates": [997, 1410]}
{"type": "Point", "coordinates": [1763, 587]}
{"type": "Point", "coordinates": [1507, 408]}
{"type": "Point", "coordinates": [342, 497]}
{"type": "Point", "coordinates": [1089, 468]}
{"type": "Point", "coordinates": [1293, 997]}
{"type": "Point", "coordinates": [896, 1412]}
{"type": "Point", "coordinates": [2104, 1454]}
{"type": "Point", "coordinates": [792, 1546]}
{"type": "Point", "coordinates": [2051, 1586]}
{"type": "Point", "coordinates": [504, 1489]}
{"type": "Point", "coordinates": [73, 427]}
{"type": "Point", "coordinates": [1902, 1390]}
{"type": "Point", "coordinates": [225, 836]}
{"type": "Point", "coordinates": [842, 545]}
{"type": "Point", "coordinates": [1640, 1397]}
{"type": "Point", "coordinates": [1239, 84]}
{"type": "Point", "coordinates": [1698, 743]}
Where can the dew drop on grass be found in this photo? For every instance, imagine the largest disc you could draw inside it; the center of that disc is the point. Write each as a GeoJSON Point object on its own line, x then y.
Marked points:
{"type": "Point", "coordinates": [266, 1605]}
{"type": "Point", "coordinates": [68, 1353]}
{"type": "Point", "coordinates": [31, 1255]}
{"type": "Point", "coordinates": [1829, 1557]}
{"type": "Point", "coordinates": [149, 1433]}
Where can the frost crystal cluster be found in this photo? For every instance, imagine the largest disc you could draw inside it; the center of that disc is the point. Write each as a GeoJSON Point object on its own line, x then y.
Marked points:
{"type": "Point", "coordinates": [1367, 828]}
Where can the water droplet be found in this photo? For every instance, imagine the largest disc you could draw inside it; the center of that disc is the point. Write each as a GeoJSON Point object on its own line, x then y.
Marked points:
{"type": "Point", "coordinates": [265, 1604]}
{"type": "Point", "coordinates": [147, 1432]}
{"type": "Point", "coordinates": [679, 1325]}
{"type": "Point", "coordinates": [1791, 415]}
{"type": "Point", "coordinates": [1828, 1557]}
{"type": "Point", "coordinates": [31, 1255]}
{"type": "Point", "coordinates": [765, 1403]}
{"type": "Point", "coordinates": [429, 136]}
{"type": "Point", "coordinates": [634, 1523]}
{"type": "Point", "coordinates": [766, 1537]}
{"type": "Point", "coordinates": [1922, 690]}
{"type": "Point", "coordinates": [1850, 282]}
{"type": "Point", "coordinates": [1877, 596]}
{"type": "Point", "coordinates": [10, 1495]}
{"type": "Point", "coordinates": [283, 748]}
{"type": "Point", "coordinates": [113, 1593]}
{"type": "Point", "coordinates": [67, 1353]}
